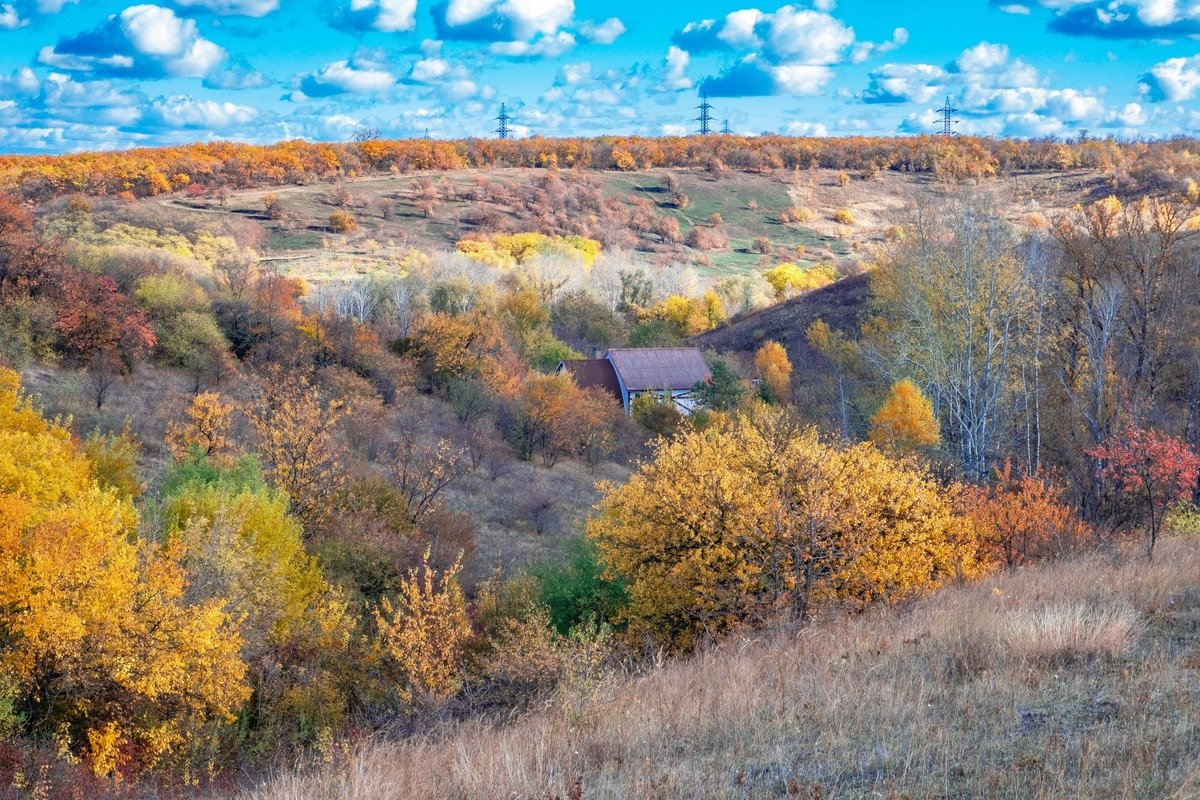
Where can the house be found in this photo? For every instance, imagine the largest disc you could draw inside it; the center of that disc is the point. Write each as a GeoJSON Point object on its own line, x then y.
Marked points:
{"type": "Point", "coordinates": [626, 372]}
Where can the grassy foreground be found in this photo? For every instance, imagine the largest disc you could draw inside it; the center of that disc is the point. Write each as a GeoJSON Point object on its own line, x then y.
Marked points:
{"type": "Point", "coordinates": [1078, 679]}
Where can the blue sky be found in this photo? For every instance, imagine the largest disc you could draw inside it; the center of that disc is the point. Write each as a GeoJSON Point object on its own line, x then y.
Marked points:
{"type": "Point", "coordinates": [97, 74]}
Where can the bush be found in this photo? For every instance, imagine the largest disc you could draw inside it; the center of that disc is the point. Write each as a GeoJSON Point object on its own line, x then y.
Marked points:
{"type": "Point", "coordinates": [844, 216]}
{"type": "Point", "coordinates": [843, 179]}
{"type": "Point", "coordinates": [576, 591]}
{"type": "Point", "coordinates": [343, 222]}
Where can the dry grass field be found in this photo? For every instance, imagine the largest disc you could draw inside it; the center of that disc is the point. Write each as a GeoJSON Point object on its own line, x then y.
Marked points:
{"type": "Point", "coordinates": [1073, 680]}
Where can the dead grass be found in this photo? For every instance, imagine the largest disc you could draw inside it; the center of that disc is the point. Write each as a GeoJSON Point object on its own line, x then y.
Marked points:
{"type": "Point", "coordinates": [1074, 680]}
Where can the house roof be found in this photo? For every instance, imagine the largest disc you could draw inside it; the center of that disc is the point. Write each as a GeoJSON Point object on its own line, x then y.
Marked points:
{"type": "Point", "coordinates": [593, 373]}
{"type": "Point", "coordinates": [649, 368]}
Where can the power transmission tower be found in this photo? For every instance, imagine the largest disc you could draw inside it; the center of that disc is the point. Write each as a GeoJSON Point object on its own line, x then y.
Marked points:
{"type": "Point", "coordinates": [705, 118]}
{"type": "Point", "coordinates": [503, 131]}
{"type": "Point", "coordinates": [948, 120]}
{"type": "Point", "coordinates": [725, 128]}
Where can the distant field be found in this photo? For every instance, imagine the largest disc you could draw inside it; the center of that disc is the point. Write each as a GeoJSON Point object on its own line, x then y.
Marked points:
{"type": "Point", "coordinates": [750, 206]}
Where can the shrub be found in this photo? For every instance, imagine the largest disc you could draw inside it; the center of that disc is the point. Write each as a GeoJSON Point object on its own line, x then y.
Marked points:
{"type": "Point", "coordinates": [844, 216]}
{"type": "Point", "coordinates": [842, 179]}
{"type": "Point", "coordinates": [761, 245]}
{"type": "Point", "coordinates": [343, 222]}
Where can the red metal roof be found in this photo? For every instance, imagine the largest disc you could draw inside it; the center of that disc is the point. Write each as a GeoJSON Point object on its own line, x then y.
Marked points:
{"type": "Point", "coordinates": [649, 368]}
{"type": "Point", "coordinates": [593, 373]}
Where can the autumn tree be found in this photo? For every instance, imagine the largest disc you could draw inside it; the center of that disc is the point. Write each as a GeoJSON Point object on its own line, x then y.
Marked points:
{"type": "Point", "coordinates": [206, 427]}
{"type": "Point", "coordinates": [96, 634]}
{"type": "Point", "coordinates": [905, 422]}
{"type": "Point", "coordinates": [244, 548]}
{"type": "Point", "coordinates": [298, 441]}
{"type": "Point", "coordinates": [775, 370]}
{"type": "Point", "coordinates": [1022, 518]}
{"type": "Point", "coordinates": [735, 524]}
{"type": "Point", "coordinates": [1153, 469]}
{"type": "Point", "coordinates": [424, 634]}
{"type": "Point", "coordinates": [421, 470]}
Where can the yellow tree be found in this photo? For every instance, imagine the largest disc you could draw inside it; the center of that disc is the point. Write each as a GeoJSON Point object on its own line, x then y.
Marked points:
{"type": "Point", "coordinates": [425, 634]}
{"type": "Point", "coordinates": [95, 633]}
{"type": "Point", "coordinates": [775, 369]}
{"type": "Point", "coordinates": [298, 441]}
{"type": "Point", "coordinates": [905, 423]}
{"type": "Point", "coordinates": [242, 544]}
{"type": "Point", "coordinates": [736, 524]}
{"type": "Point", "coordinates": [206, 427]}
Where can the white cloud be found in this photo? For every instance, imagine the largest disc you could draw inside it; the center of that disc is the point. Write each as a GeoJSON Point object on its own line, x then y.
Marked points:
{"type": "Point", "coordinates": [390, 16]}
{"type": "Point", "coordinates": [145, 41]}
{"type": "Point", "coordinates": [345, 76]}
{"type": "Point", "coordinates": [1173, 80]}
{"type": "Point", "coordinates": [571, 74]}
{"type": "Point", "coordinates": [805, 129]}
{"type": "Point", "coordinates": [180, 111]}
{"type": "Point", "coordinates": [908, 83]}
{"type": "Point", "coordinates": [673, 129]}
{"type": "Point", "coordinates": [9, 18]}
{"type": "Point", "coordinates": [550, 46]}
{"type": "Point", "coordinates": [605, 32]}
{"type": "Point", "coordinates": [243, 8]}
{"type": "Point", "coordinates": [982, 57]}
{"type": "Point", "coordinates": [676, 62]}
{"type": "Point", "coordinates": [525, 18]}
{"type": "Point", "coordinates": [429, 70]}
{"type": "Point", "coordinates": [808, 37]}
{"type": "Point", "coordinates": [801, 80]}
{"type": "Point", "coordinates": [1016, 8]}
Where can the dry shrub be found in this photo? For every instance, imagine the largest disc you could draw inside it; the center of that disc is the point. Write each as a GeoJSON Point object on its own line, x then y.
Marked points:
{"type": "Point", "coordinates": [701, 238]}
{"type": "Point", "coordinates": [343, 222]}
{"type": "Point", "coordinates": [842, 179]}
{"type": "Point", "coordinates": [798, 215]}
{"type": "Point", "coordinates": [844, 216]}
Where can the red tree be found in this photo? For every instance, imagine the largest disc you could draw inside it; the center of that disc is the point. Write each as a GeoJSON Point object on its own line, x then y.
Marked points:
{"type": "Point", "coordinates": [1152, 468]}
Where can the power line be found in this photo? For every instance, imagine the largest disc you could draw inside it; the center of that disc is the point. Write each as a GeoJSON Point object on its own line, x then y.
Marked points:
{"type": "Point", "coordinates": [503, 131]}
{"type": "Point", "coordinates": [725, 128]}
{"type": "Point", "coordinates": [705, 117]}
{"type": "Point", "coordinates": [948, 121]}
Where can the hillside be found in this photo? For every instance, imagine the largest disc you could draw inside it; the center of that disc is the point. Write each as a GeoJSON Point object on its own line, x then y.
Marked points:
{"type": "Point", "coordinates": [1076, 679]}
{"type": "Point", "coordinates": [431, 211]}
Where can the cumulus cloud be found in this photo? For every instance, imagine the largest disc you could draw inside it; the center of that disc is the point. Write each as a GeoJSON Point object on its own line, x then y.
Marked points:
{"type": "Point", "coordinates": [549, 46]}
{"type": "Point", "coordinates": [1172, 80]}
{"type": "Point", "coordinates": [1120, 19]}
{"type": "Point", "coordinates": [388, 16]}
{"type": "Point", "coordinates": [501, 20]}
{"type": "Point", "coordinates": [905, 83]}
{"type": "Point", "coordinates": [787, 52]}
{"type": "Point", "coordinates": [449, 81]}
{"type": "Point", "coordinates": [181, 111]}
{"type": "Point", "coordinates": [366, 71]}
{"type": "Point", "coordinates": [605, 32]}
{"type": "Point", "coordinates": [806, 129]}
{"type": "Point", "coordinates": [675, 67]}
{"type": "Point", "coordinates": [144, 41]}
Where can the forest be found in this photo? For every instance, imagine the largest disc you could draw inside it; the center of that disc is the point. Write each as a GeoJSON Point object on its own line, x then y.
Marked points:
{"type": "Point", "coordinates": [288, 467]}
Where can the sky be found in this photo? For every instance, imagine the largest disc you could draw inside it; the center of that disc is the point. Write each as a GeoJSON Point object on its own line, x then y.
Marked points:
{"type": "Point", "coordinates": [104, 74]}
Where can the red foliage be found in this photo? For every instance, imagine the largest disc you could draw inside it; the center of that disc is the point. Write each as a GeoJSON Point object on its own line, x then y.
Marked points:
{"type": "Point", "coordinates": [1152, 468]}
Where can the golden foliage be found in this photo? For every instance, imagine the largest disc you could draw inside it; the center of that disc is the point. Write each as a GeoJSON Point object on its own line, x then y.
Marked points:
{"type": "Point", "coordinates": [775, 369]}
{"type": "Point", "coordinates": [298, 441]}
{"type": "Point", "coordinates": [508, 250]}
{"type": "Point", "coordinates": [94, 629]}
{"type": "Point", "coordinates": [735, 524]}
{"type": "Point", "coordinates": [426, 632]}
{"type": "Point", "coordinates": [206, 428]}
{"type": "Point", "coordinates": [905, 422]}
{"type": "Point", "coordinates": [788, 279]}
